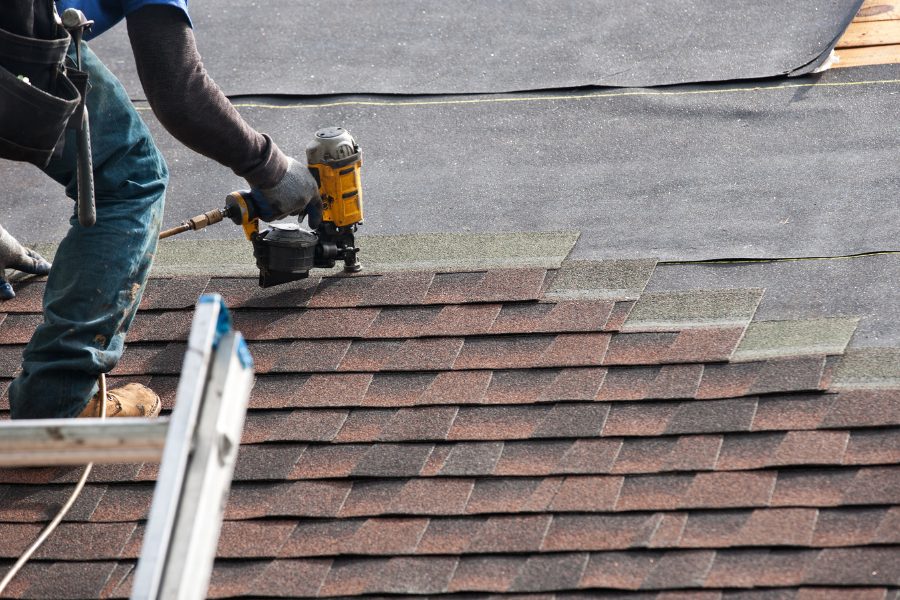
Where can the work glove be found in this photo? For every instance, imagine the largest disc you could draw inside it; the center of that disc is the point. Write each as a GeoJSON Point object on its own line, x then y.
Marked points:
{"type": "Point", "coordinates": [296, 194]}
{"type": "Point", "coordinates": [14, 255]}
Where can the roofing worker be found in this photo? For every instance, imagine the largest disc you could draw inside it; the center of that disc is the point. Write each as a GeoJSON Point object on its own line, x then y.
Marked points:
{"type": "Point", "coordinates": [99, 272]}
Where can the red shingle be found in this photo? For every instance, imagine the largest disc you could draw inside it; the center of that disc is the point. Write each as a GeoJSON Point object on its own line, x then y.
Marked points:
{"type": "Point", "coordinates": [425, 423]}
{"type": "Point", "coordinates": [683, 569]}
{"type": "Point", "coordinates": [497, 422]}
{"type": "Point", "coordinates": [639, 418]}
{"type": "Point", "coordinates": [464, 319]}
{"type": "Point", "coordinates": [590, 456]}
{"type": "Point", "coordinates": [303, 355]}
{"type": "Point", "coordinates": [600, 531]}
{"type": "Point", "coordinates": [351, 576]}
{"type": "Point", "coordinates": [29, 297]}
{"type": "Point", "coordinates": [863, 566]}
{"type": "Point", "coordinates": [324, 323]}
{"type": "Point", "coordinates": [266, 461]}
{"type": "Point", "coordinates": [873, 447]}
{"type": "Point", "coordinates": [519, 386]}
{"type": "Point", "coordinates": [510, 495]}
{"type": "Point", "coordinates": [453, 288]}
{"type": "Point", "coordinates": [850, 527]}
{"type": "Point", "coordinates": [397, 288]}
{"type": "Point", "coordinates": [243, 292]}
{"type": "Point", "coordinates": [619, 570]}
{"type": "Point", "coordinates": [500, 285]}
{"type": "Point", "coordinates": [722, 490]}
{"type": "Point", "coordinates": [317, 390]}
{"type": "Point", "coordinates": [470, 458]}
{"type": "Point", "coordinates": [531, 458]}
{"type": "Point", "coordinates": [334, 292]}
{"type": "Point", "coordinates": [300, 577]}
{"type": "Point", "coordinates": [332, 461]}
{"type": "Point", "coordinates": [17, 328]}
{"type": "Point", "coordinates": [588, 494]}
{"type": "Point", "coordinates": [547, 572]}
{"type": "Point", "coordinates": [802, 411]}
{"type": "Point", "coordinates": [75, 580]}
{"type": "Point", "coordinates": [449, 535]}
{"type": "Point", "coordinates": [173, 293]}
{"type": "Point", "coordinates": [864, 408]}
{"type": "Point", "coordinates": [501, 534]}
{"type": "Point", "coordinates": [74, 541]}
{"type": "Point", "coordinates": [430, 354]}
{"type": "Point", "coordinates": [503, 352]}
{"type": "Point", "coordinates": [461, 387]}
{"type": "Point", "coordinates": [409, 321]}
{"type": "Point", "coordinates": [381, 460]}
{"type": "Point", "coordinates": [574, 384]}
{"type": "Point", "coordinates": [397, 389]}
{"type": "Point", "coordinates": [307, 425]}
{"type": "Point", "coordinates": [486, 573]}
{"type": "Point", "coordinates": [628, 383]}
{"type": "Point", "coordinates": [252, 539]}
{"type": "Point", "coordinates": [619, 315]}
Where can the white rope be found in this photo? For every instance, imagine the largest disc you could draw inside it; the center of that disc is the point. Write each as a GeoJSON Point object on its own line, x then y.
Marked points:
{"type": "Point", "coordinates": [65, 509]}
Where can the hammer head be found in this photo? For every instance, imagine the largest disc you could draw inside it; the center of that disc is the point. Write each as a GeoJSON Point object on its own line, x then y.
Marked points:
{"type": "Point", "coordinates": [73, 19]}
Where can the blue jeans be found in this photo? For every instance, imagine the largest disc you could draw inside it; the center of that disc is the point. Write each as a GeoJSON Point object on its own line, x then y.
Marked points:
{"type": "Point", "coordinates": [99, 272]}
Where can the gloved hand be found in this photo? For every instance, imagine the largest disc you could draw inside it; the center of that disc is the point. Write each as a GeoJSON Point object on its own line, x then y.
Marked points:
{"type": "Point", "coordinates": [290, 196]}
{"type": "Point", "coordinates": [15, 256]}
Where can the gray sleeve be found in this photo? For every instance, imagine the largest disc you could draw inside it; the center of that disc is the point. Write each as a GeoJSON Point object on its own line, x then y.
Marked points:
{"type": "Point", "coordinates": [188, 102]}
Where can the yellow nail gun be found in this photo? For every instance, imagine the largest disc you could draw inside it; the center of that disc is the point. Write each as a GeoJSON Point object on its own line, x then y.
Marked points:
{"type": "Point", "coordinates": [286, 252]}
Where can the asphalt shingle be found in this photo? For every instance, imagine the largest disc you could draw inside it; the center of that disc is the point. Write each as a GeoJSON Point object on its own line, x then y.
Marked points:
{"type": "Point", "coordinates": [506, 433]}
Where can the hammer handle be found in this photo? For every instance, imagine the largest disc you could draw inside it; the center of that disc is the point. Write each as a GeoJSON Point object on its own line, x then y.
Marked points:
{"type": "Point", "coordinates": [87, 208]}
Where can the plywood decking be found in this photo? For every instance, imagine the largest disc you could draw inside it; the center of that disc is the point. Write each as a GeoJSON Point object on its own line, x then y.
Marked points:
{"type": "Point", "coordinates": [873, 38]}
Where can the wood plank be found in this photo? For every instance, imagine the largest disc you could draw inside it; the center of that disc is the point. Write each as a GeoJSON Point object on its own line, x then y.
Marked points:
{"type": "Point", "coordinates": [875, 55]}
{"type": "Point", "coordinates": [877, 33]}
{"type": "Point", "coordinates": [44, 442]}
{"type": "Point", "coordinates": [878, 10]}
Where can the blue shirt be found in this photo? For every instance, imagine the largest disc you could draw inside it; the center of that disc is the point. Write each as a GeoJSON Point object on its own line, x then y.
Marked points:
{"type": "Point", "coordinates": [106, 13]}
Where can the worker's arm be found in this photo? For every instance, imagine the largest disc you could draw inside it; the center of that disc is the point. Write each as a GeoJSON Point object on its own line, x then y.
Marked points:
{"type": "Point", "coordinates": [194, 110]}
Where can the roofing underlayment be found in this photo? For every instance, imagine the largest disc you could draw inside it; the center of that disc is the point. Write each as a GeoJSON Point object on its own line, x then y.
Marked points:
{"type": "Point", "coordinates": [489, 46]}
{"type": "Point", "coordinates": [558, 375]}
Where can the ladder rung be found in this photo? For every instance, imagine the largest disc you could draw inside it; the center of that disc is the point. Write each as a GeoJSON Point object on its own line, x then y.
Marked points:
{"type": "Point", "coordinates": [43, 442]}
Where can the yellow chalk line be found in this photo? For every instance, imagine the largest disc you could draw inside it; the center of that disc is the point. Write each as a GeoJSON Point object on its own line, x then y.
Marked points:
{"type": "Point", "coordinates": [553, 98]}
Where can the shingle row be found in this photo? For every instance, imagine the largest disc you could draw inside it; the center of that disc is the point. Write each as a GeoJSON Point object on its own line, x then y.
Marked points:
{"type": "Point", "coordinates": [389, 536]}
{"type": "Point", "coordinates": [607, 456]}
{"type": "Point", "coordinates": [513, 386]}
{"type": "Point", "coordinates": [650, 570]}
{"type": "Point", "coordinates": [495, 353]}
{"type": "Point", "coordinates": [444, 353]}
{"type": "Point", "coordinates": [573, 419]}
{"type": "Point", "coordinates": [809, 487]}
{"type": "Point", "coordinates": [389, 289]}
{"type": "Point", "coordinates": [529, 386]}
{"type": "Point", "coordinates": [374, 322]}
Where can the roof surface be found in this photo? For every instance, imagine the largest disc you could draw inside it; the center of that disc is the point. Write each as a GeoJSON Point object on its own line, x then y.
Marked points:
{"type": "Point", "coordinates": [509, 431]}
{"type": "Point", "coordinates": [561, 429]}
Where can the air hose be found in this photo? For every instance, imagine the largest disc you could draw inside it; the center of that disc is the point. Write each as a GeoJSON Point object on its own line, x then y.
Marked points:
{"type": "Point", "coordinates": [62, 511]}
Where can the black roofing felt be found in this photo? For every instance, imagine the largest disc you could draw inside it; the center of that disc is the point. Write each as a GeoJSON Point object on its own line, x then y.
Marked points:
{"type": "Point", "coordinates": [484, 46]}
{"type": "Point", "coordinates": [801, 167]}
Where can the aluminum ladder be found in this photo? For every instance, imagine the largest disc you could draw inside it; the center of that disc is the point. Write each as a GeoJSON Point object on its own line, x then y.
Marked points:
{"type": "Point", "coordinates": [196, 448]}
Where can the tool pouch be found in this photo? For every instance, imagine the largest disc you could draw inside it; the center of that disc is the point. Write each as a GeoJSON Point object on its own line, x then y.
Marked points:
{"type": "Point", "coordinates": [37, 97]}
